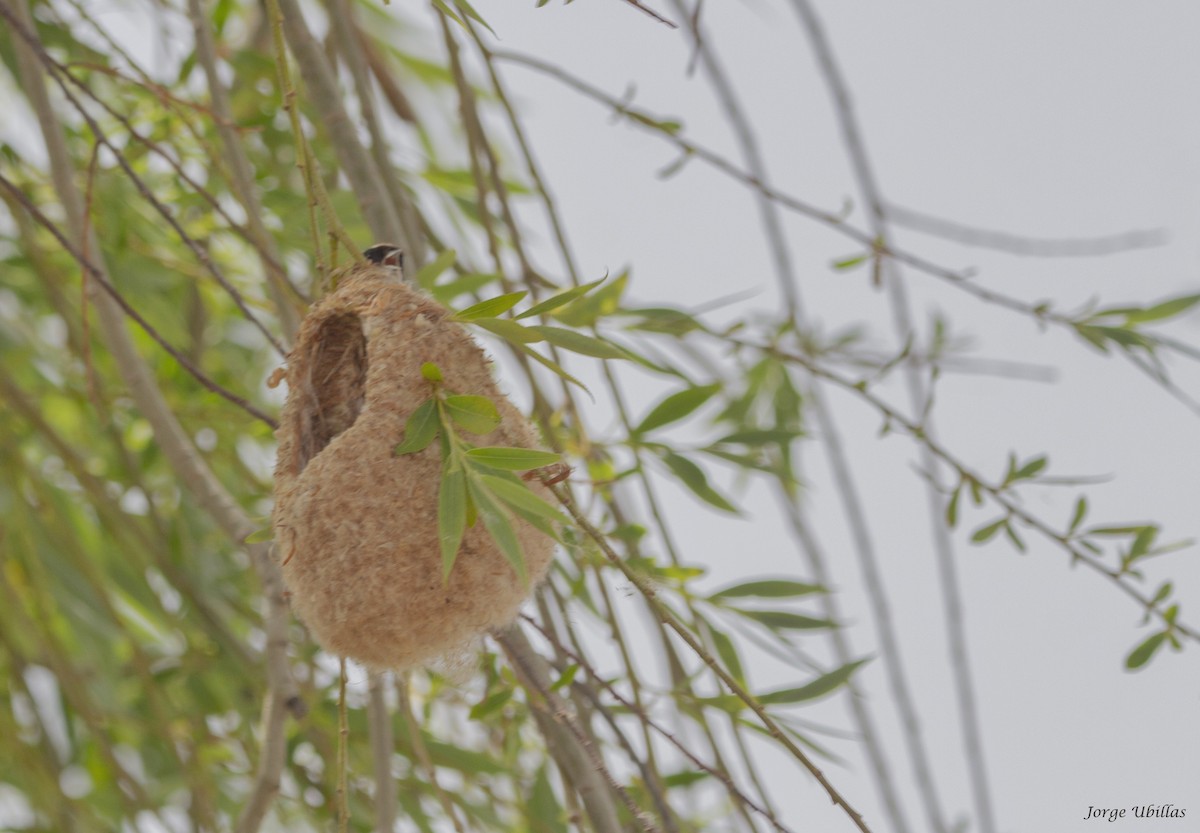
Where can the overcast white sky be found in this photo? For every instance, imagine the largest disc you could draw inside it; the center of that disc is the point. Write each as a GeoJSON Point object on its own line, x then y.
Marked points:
{"type": "Point", "coordinates": [1049, 119]}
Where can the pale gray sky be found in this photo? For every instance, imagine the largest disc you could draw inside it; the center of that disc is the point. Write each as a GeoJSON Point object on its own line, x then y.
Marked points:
{"type": "Point", "coordinates": [1055, 120]}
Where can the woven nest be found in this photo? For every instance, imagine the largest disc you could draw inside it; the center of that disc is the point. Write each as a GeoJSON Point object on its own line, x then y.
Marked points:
{"type": "Point", "coordinates": [356, 524]}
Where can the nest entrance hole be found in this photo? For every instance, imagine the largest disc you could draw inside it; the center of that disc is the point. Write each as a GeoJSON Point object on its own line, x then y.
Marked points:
{"type": "Point", "coordinates": [333, 383]}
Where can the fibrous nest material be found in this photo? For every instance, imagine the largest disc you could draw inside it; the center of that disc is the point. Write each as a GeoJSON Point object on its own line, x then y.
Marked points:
{"type": "Point", "coordinates": [356, 525]}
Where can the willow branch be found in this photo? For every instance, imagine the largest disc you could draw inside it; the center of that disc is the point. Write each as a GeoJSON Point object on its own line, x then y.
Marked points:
{"type": "Point", "coordinates": [943, 547]}
{"type": "Point", "coordinates": [349, 40]}
{"type": "Point", "coordinates": [571, 749]}
{"type": "Point", "coordinates": [671, 621]}
{"type": "Point", "coordinates": [241, 172]}
{"type": "Point", "coordinates": [365, 177]}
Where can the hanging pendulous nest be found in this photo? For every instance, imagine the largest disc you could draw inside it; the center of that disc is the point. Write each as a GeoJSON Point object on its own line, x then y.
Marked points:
{"type": "Point", "coordinates": [356, 525]}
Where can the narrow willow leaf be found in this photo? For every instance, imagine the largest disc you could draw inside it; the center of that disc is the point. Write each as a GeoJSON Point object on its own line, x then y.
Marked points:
{"type": "Point", "coordinates": [952, 507]}
{"type": "Point", "coordinates": [441, 6]}
{"type": "Point", "coordinates": [1081, 507]}
{"type": "Point", "coordinates": [759, 437]}
{"type": "Point", "coordinates": [490, 704]}
{"type": "Point", "coordinates": [1093, 335]}
{"type": "Point", "coordinates": [684, 778]}
{"type": "Point", "coordinates": [553, 366]}
{"type": "Point", "coordinates": [769, 589]}
{"type": "Point", "coordinates": [728, 654]}
{"type": "Point", "coordinates": [476, 414]}
{"type": "Point", "coordinates": [428, 274]}
{"type": "Point", "coordinates": [491, 307]}
{"type": "Point", "coordinates": [662, 320]}
{"type": "Point", "coordinates": [509, 330]}
{"type": "Point", "coordinates": [810, 691]}
{"type": "Point", "coordinates": [692, 476]}
{"type": "Point", "coordinates": [260, 536]}
{"type": "Point", "coordinates": [1166, 309]}
{"type": "Point", "coordinates": [988, 531]}
{"type": "Point", "coordinates": [565, 678]}
{"type": "Point", "coordinates": [1030, 469]}
{"type": "Point", "coordinates": [675, 407]}
{"type": "Point", "coordinates": [561, 299]}
{"type": "Point", "coordinates": [543, 813]}
{"type": "Point", "coordinates": [784, 620]}
{"type": "Point", "coordinates": [1140, 655]}
{"type": "Point", "coordinates": [474, 15]}
{"type": "Point", "coordinates": [848, 263]}
{"type": "Point", "coordinates": [513, 459]}
{"type": "Point", "coordinates": [500, 528]}
{"type": "Point", "coordinates": [452, 516]}
{"type": "Point", "coordinates": [585, 311]}
{"type": "Point", "coordinates": [578, 342]}
{"type": "Point", "coordinates": [522, 500]}
{"type": "Point", "coordinates": [421, 428]}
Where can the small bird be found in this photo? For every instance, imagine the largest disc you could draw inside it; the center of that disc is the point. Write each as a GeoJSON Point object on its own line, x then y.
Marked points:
{"type": "Point", "coordinates": [385, 254]}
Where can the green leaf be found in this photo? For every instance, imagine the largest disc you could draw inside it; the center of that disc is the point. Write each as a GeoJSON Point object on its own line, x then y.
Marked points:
{"type": "Point", "coordinates": [1140, 655]}
{"type": "Point", "coordinates": [513, 459]}
{"type": "Point", "coordinates": [662, 320]}
{"type": "Point", "coordinates": [474, 15]}
{"type": "Point", "coordinates": [846, 264]}
{"type": "Point", "coordinates": [491, 307]}
{"type": "Point", "coordinates": [578, 342]}
{"type": "Point", "coordinates": [810, 691]}
{"type": "Point", "coordinates": [553, 366]}
{"type": "Point", "coordinates": [728, 654]}
{"type": "Point", "coordinates": [522, 500]}
{"type": "Point", "coordinates": [476, 414]}
{"type": "Point", "coordinates": [499, 527]}
{"type": "Point", "coordinates": [490, 704]}
{"type": "Point", "coordinates": [585, 311]}
{"type": "Point", "coordinates": [987, 532]}
{"type": "Point", "coordinates": [428, 274]}
{"type": "Point", "coordinates": [432, 372]}
{"type": "Point", "coordinates": [784, 620]}
{"type": "Point", "coordinates": [769, 589]}
{"type": "Point", "coordinates": [421, 428]}
{"type": "Point", "coordinates": [260, 536]}
{"type": "Point", "coordinates": [675, 407]}
{"type": "Point", "coordinates": [1030, 469]}
{"type": "Point", "coordinates": [692, 476]}
{"type": "Point", "coordinates": [561, 299]}
{"type": "Point", "coordinates": [759, 437]}
{"type": "Point", "coordinates": [952, 507]}
{"type": "Point", "coordinates": [452, 515]}
{"type": "Point", "coordinates": [441, 6]}
{"type": "Point", "coordinates": [685, 778]}
{"type": "Point", "coordinates": [565, 678]}
{"type": "Point", "coordinates": [542, 811]}
{"type": "Point", "coordinates": [1166, 309]}
{"type": "Point", "coordinates": [1081, 507]}
{"type": "Point", "coordinates": [509, 330]}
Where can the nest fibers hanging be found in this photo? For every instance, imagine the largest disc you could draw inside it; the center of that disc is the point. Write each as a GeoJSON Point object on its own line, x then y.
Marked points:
{"type": "Point", "coordinates": [357, 525]}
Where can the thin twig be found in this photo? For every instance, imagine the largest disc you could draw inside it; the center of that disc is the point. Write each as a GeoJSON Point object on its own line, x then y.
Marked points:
{"type": "Point", "coordinates": [640, 712]}
{"type": "Point", "coordinates": [566, 741]}
{"type": "Point", "coordinates": [794, 509]}
{"type": "Point", "coordinates": [943, 547]}
{"type": "Point", "coordinates": [125, 306]}
{"type": "Point", "coordinates": [671, 621]}
{"type": "Point", "coordinates": [1024, 245]}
